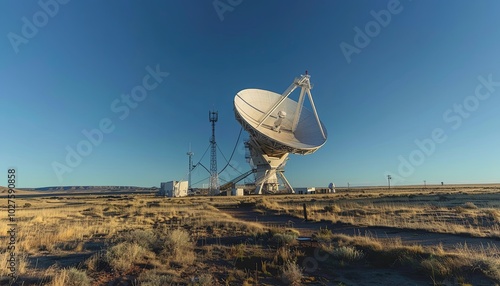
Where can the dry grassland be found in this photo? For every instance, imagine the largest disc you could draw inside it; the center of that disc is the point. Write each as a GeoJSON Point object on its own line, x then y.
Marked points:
{"type": "Point", "coordinates": [147, 240]}
{"type": "Point", "coordinates": [474, 212]}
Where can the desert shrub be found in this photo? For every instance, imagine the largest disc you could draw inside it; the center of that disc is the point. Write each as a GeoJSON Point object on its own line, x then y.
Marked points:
{"type": "Point", "coordinates": [293, 232]}
{"type": "Point", "coordinates": [236, 252]}
{"type": "Point", "coordinates": [202, 280]}
{"type": "Point", "coordinates": [368, 243]}
{"type": "Point", "coordinates": [284, 238]}
{"type": "Point", "coordinates": [153, 278]}
{"type": "Point", "coordinates": [347, 254]}
{"type": "Point", "coordinates": [144, 238]}
{"type": "Point", "coordinates": [179, 247]}
{"type": "Point", "coordinates": [482, 259]}
{"type": "Point", "coordinates": [264, 203]}
{"type": "Point", "coordinates": [436, 268]}
{"type": "Point", "coordinates": [253, 229]}
{"type": "Point", "coordinates": [470, 206]}
{"type": "Point", "coordinates": [494, 214]}
{"type": "Point", "coordinates": [324, 235]}
{"type": "Point", "coordinates": [283, 255]}
{"type": "Point", "coordinates": [401, 255]}
{"type": "Point", "coordinates": [491, 268]}
{"type": "Point", "coordinates": [264, 265]}
{"type": "Point", "coordinates": [235, 275]}
{"type": "Point", "coordinates": [123, 255]}
{"type": "Point", "coordinates": [70, 245]}
{"type": "Point", "coordinates": [96, 262]}
{"type": "Point", "coordinates": [332, 209]}
{"type": "Point", "coordinates": [71, 277]}
{"type": "Point", "coordinates": [291, 273]}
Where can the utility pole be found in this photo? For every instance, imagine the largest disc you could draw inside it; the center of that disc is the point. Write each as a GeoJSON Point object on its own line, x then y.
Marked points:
{"type": "Point", "coordinates": [389, 181]}
{"type": "Point", "coordinates": [425, 184]}
{"type": "Point", "coordinates": [190, 154]}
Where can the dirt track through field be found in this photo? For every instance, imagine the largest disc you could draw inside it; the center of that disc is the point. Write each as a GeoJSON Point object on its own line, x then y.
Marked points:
{"type": "Point", "coordinates": [408, 236]}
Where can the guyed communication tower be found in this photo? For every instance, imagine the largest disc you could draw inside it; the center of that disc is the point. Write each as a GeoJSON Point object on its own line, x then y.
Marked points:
{"type": "Point", "coordinates": [213, 116]}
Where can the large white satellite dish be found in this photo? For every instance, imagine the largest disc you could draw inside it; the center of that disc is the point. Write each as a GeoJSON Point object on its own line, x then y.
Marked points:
{"type": "Point", "coordinates": [278, 126]}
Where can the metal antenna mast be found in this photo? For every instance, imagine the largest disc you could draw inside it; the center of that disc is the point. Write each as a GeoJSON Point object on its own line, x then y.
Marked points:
{"type": "Point", "coordinates": [190, 154]}
{"type": "Point", "coordinates": [214, 177]}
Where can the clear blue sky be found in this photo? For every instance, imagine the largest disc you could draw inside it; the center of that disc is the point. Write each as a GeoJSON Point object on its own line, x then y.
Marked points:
{"type": "Point", "coordinates": [399, 87]}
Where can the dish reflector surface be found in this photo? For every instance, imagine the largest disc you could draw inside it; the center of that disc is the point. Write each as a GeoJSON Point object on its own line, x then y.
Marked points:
{"type": "Point", "coordinates": [251, 105]}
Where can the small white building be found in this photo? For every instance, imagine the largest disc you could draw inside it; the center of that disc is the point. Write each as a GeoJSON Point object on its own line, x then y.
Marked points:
{"type": "Point", "coordinates": [237, 192]}
{"type": "Point", "coordinates": [174, 189]}
{"type": "Point", "coordinates": [305, 191]}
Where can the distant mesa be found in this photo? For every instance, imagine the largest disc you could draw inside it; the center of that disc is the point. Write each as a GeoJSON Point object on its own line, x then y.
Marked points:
{"type": "Point", "coordinates": [86, 188]}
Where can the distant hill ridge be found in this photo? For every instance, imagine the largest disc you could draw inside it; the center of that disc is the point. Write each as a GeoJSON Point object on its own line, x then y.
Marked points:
{"type": "Point", "coordinates": [86, 188]}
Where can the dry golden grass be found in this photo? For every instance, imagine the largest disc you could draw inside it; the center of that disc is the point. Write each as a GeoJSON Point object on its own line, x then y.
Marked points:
{"type": "Point", "coordinates": [22, 263]}
{"type": "Point", "coordinates": [71, 277]}
{"type": "Point", "coordinates": [154, 278]}
{"type": "Point", "coordinates": [433, 262]}
{"type": "Point", "coordinates": [123, 256]}
{"type": "Point", "coordinates": [467, 218]}
{"type": "Point", "coordinates": [132, 230]}
{"type": "Point", "coordinates": [143, 232]}
{"type": "Point", "coordinates": [179, 248]}
{"type": "Point", "coordinates": [291, 273]}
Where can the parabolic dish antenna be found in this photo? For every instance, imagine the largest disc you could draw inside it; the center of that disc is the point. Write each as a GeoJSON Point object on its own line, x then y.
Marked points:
{"type": "Point", "coordinates": [278, 126]}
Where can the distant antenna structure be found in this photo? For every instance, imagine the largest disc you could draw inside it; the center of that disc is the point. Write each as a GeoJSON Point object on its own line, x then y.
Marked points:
{"type": "Point", "coordinates": [213, 116]}
{"type": "Point", "coordinates": [278, 126]}
{"type": "Point", "coordinates": [191, 167]}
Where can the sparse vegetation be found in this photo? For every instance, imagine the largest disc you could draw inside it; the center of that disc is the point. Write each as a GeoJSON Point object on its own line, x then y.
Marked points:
{"type": "Point", "coordinates": [192, 241]}
{"type": "Point", "coordinates": [347, 254]}
{"type": "Point", "coordinates": [284, 238]}
{"type": "Point", "coordinates": [397, 211]}
{"type": "Point", "coordinates": [291, 273]}
{"type": "Point", "coordinates": [179, 248]}
{"type": "Point", "coordinates": [71, 277]}
{"type": "Point", "coordinates": [433, 262]}
{"type": "Point", "coordinates": [122, 256]}
{"type": "Point", "coordinates": [153, 278]}
{"type": "Point", "coordinates": [470, 205]}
